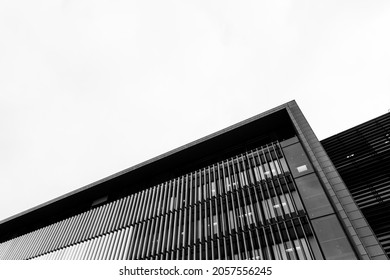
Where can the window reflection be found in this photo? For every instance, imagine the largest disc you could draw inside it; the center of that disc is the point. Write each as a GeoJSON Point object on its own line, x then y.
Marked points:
{"type": "Point", "coordinates": [213, 189]}
{"type": "Point", "coordinates": [295, 250]}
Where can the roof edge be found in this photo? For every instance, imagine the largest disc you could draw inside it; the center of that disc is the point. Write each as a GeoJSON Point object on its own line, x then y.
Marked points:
{"type": "Point", "coordinates": [151, 160]}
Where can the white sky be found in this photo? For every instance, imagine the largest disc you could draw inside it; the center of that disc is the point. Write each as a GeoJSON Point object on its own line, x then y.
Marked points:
{"type": "Point", "coordinates": [89, 88]}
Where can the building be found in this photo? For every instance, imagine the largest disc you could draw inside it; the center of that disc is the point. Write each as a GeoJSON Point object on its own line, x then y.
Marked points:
{"type": "Point", "coordinates": [361, 155]}
{"type": "Point", "coordinates": [261, 189]}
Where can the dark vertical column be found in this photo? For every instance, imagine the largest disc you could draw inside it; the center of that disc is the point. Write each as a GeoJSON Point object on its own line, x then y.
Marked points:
{"type": "Point", "coordinates": [333, 241]}
{"type": "Point", "coordinates": [333, 184]}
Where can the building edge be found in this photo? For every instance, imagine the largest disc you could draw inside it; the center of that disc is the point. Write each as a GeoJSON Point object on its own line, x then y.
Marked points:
{"type": "Point", "coordinates": [342, 200]}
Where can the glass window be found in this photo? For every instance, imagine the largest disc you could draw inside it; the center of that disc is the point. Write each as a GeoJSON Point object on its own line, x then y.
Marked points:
{"type": "Point", "coordinates": [267, 172]}
{"type": "Point", "coordinates": [240, 217]}
{"type": "Point", "coordinates": [284, 165]}
{"type": "Point", "coordinates": [227, 184]}
{"type": "Point", "coordinates": [219, 184]}
{"type": "Point", "coordinates": [285, 206]}
{"type": "Point", "coordinates": [234, 182]}
{"type": "Point", "coordinates": [199, 222]}
{"type": "Point", "coordinates": [332, 239]}
{"type": "Point", "coordinates": [205, 191]}
{"type": "Point", "coordinates": [215, 224]}
{"type": "Point", "coordinates": [290, 250]}
{"type": "Point", "coordinates": [231, 220]}
{"type": "Point", "coordinates": [243, 179]}
{"type": "Point", "coordinates": [250, 214]}
{"type": "Point", "coordinates": [271, 207]}
{"type": "Point", "coordinates": [277, 252]}
{"type": "Point", "coordinates": [258, 211]}
{"type": "Point", "coordinates": [261, 172]}
{"type": "Point", "coordinates": [213, 189]}
{"type": "Point", "coordinates": [173, 202]}
{"type": "Point", "coordinates": [199, 193]}
{"type": "Point", "coordinates": [207, 228]}
{"type": "Point", "coordinates": [256, 255]}
{"type": "Point", "coordinates": [299, 249]}
{"type": "Point", "coordinates": [313, 196]}
{"type": "Point", "coordinates": [257, 174]}
{"type": "Point", "coordinates": [264, 205]}
{"type": "Point", "coordinates": [277, 207]}
{"type": "Point", "coordinates": [297, 160]}
{"type": "Point", "coordinates": [273, 168]}
{"type": "Point", "coordinates": [277, 167]}
{"type": "Point", "coordinates": [266, 253]}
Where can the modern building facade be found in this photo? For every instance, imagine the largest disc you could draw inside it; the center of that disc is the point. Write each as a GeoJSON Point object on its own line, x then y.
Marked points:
{"type": "Point", "coordinates": [261, 189]}
{"type": "Point", "coordinates": [361, 155]}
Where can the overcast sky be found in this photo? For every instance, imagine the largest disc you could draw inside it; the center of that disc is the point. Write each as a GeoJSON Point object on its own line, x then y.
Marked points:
{"type": "Point", "coordinates": [89, 88]}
